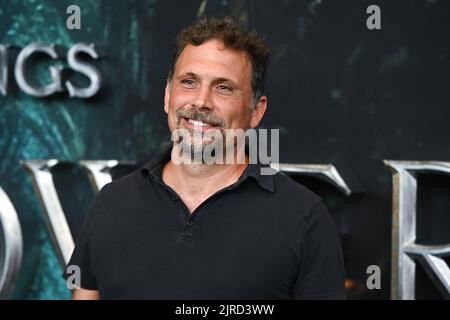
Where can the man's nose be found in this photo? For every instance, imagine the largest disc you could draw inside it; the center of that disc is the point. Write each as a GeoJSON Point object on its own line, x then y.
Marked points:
{"type": "Point", "coordinates": [203, 98]}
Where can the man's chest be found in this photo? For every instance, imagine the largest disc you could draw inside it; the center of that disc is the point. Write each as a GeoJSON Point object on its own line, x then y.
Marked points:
{"type": "Point", "coordinates": [219, 258]}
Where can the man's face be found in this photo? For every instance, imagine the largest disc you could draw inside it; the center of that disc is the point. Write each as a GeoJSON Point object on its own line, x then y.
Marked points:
{"type": "Point", "coordinates": [211, 89]}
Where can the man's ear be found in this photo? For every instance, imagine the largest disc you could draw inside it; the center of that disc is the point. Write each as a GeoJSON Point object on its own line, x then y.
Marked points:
{"type": "Point", "coordinates": [167, 97]}
{"type": "Point", "coordinates": [258, 112]}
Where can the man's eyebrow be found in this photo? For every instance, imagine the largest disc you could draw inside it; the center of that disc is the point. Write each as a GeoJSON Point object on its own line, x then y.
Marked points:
{"type": "Point", "coordinates": [188, 74]}
{"type": "Point", "coordinates": [215, 80]}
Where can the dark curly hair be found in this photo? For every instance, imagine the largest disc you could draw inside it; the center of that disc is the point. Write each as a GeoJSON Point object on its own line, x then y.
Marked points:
{"type": "Point", "coordinates": [234, 37]}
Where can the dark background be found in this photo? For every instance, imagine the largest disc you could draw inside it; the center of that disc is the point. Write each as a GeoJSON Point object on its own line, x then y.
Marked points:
{"type": "Point", "coordinates": [339, 93]}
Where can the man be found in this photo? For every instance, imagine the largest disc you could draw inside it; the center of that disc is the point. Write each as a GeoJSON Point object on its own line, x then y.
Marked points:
{"type": "Point", "coordinates": [180, 230]}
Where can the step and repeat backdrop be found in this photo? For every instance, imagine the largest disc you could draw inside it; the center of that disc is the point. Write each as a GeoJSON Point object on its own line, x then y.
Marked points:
{"type": "Point", "coordinates": [358, 89]}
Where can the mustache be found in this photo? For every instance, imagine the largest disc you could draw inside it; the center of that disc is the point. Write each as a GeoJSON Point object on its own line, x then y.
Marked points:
{"type": "Point", "coordinates": [197, 115]}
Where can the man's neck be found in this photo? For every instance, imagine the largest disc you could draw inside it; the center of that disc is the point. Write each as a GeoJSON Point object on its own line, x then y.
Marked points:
{"type": "Point", "coordinates": [194, 183]}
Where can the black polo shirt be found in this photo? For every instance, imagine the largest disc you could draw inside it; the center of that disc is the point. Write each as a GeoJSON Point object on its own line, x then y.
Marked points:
{"type": "Point", "coordinates": [263, 237]}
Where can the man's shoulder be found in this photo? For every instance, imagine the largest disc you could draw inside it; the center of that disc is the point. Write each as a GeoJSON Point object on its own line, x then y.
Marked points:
{"type": "Point", "coordinates": [123, 185]}
{"type": "Point", "coordinates": [294, 192]}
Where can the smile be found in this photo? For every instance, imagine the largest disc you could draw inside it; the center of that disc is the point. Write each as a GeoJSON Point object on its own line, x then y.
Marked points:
{"type": "Point", "coordinates": [198, 123]}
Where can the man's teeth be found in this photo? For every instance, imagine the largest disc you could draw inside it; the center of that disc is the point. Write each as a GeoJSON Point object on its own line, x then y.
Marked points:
{"type": "Point", "coordinates": [197, 123]}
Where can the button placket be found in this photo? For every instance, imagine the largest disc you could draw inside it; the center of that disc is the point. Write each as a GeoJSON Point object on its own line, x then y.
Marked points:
{"type": "Point", "coordinates": [191, 220]}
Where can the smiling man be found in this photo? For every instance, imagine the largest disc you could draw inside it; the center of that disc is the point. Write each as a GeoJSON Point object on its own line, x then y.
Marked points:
{"type": "Point", "coordinates": [181, 230]}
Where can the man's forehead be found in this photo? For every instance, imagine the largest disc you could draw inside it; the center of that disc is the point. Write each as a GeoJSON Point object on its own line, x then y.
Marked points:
{"type": "Point", "coordinates": [227, 63]}
{"type": "Point", "coordinates": [216, 46]}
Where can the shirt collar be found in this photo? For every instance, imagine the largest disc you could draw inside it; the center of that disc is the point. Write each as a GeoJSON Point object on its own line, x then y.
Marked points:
{"type": "Point", "coordinates": [155, 166]}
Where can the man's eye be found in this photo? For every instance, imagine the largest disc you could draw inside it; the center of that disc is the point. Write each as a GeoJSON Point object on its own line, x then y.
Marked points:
{"type": "Point", "coordinates": [188, 82]}
{"type": "Point", "coordinates": [224, 88]}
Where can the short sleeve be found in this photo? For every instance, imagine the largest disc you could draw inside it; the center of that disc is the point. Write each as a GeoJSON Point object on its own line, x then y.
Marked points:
{"type": "Point", "coordinates": [321, 272]}
{"type": "Point", "coordinates": [81, 255]}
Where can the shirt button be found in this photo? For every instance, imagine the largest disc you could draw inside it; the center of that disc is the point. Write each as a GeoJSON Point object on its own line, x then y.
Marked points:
{"type": "Point", "coordinates": [190, 223]}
